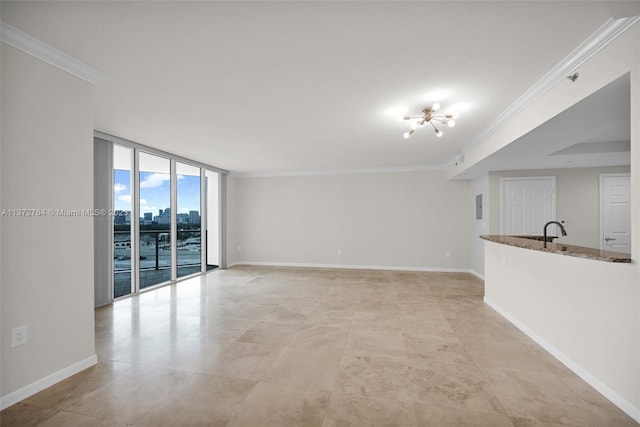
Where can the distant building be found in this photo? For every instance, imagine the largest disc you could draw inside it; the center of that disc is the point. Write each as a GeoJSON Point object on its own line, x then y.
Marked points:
{"type": "Point", "coordinates": [183, 218]}
{"type": "Point", "coordinates": [164, 216]}
{"type": "Point", "coordinates": [120, 217]}
{"type": "Point", "coordinates": [148, 216]}
{"type": "Point", "coordinates": [194, 217]}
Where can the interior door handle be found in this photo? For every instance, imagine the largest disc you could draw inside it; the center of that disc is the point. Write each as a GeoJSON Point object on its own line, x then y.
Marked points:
{"type": "Point", "coordinates": [606, 239]}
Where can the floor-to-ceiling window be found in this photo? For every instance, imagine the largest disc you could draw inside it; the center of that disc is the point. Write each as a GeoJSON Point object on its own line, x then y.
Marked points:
{"type": "Point", "coordinates": [154, 203]}
{"type": "Point", "coordinates": [122, 187]}
{"type": "Point", "coordinates": [212, 199]}
{"type": "Point", "coordinates": [189, 230]}
{"type": "Point", "coordinates": [166, 223]}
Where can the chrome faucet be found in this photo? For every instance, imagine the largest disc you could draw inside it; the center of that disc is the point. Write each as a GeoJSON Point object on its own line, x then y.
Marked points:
{"type": "Point", "coordinates": [562, 230]}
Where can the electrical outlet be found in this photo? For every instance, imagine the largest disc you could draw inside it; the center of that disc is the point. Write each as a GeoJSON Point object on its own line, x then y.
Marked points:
{"type": "Point", "coordinates": [339, 252]}
{"type": "Point", "coordinates": [19, 336]}
{"type": "Point", "coordinates": [447, 254]}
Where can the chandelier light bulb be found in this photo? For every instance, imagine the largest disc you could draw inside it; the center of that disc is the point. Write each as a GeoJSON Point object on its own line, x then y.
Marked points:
{"type": "Point", "coordinates": [428, 116]}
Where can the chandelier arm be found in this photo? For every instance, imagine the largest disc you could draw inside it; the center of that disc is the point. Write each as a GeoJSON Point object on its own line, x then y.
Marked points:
{"type": "Point", "coordinates": [428, 116]}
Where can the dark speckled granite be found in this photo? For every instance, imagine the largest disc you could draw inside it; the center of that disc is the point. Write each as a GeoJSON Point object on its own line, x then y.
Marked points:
{"type": "Point", "coordinates": [559, 248]}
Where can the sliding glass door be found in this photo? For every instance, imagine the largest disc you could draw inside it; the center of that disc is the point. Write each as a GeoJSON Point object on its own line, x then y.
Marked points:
{"type": "Point", "coordinates": [189, 230]}
{"type": "Point", "coordinates": [166, 222]}
{"type": "Point", "coordinates": [122, 185]}
{"type": "Point", "coordinates": [154, 236]}
{"type": "Point", "coordinates": [212, 198]}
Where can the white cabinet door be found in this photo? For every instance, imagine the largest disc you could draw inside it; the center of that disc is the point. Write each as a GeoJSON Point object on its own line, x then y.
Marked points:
{"type": "Point", "coordinates": [615, 212]}
{"type": "Point", "coordinates": [527, 204]}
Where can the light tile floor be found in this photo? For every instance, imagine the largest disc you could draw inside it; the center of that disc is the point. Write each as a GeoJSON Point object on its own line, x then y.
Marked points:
{"type": "Point", "coordinates": [257, 346]}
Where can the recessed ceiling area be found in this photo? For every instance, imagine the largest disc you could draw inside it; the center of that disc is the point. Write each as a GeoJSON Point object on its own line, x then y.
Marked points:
{"type": "Point", "coordinates": [594, 132]}
{"type": "Point", "coordinates": [301, 86]}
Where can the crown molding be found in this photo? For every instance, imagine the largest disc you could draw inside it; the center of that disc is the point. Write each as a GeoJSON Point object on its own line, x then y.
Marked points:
{"type": "Point", "coordinates": [49, 54]}
{"type": "Point", "coordinates": [604, 35]}
{"type": "Point", "coordinates": [338, 171]}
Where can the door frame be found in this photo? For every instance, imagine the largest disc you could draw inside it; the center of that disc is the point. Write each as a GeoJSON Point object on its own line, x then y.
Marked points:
{"type": "Point", "coordinates": [504, 179]}
{"type": "Point", "coordinates": [601, 201]}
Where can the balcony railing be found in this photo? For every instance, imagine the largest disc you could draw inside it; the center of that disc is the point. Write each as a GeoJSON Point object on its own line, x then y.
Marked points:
{"type": "Point", "coordinates": [155, 257]}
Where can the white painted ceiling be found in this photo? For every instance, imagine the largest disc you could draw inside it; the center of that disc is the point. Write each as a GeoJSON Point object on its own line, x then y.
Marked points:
{"type": "Point", "coordinates": [302, 86]}
{"type": "Point", "coordinates": [594, 132]}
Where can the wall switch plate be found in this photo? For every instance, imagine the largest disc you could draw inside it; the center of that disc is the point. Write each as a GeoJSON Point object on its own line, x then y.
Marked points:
{"type": "Point", "coordinates": [19, 336]}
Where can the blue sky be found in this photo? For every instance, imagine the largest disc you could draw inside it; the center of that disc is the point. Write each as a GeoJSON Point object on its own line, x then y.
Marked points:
{"type": "Point", "coordinates": [154, 192]}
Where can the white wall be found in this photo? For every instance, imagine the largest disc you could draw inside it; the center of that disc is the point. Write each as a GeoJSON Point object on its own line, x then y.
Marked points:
{"type": "Point", "coordinates": [47, 262]}
{"type": "Point", "coordinates": [412, 220]}
{"type": "Point", "coordinates": [577, 201]}
{"type": "Point", "coordinates": [479, 227]}
{"type": "Point", "coordinates": [585, 312]}
{"type": "Point", "coordinates": [585, 283]}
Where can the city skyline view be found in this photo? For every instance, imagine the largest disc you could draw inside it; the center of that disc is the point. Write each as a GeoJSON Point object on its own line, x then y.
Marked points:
{"type": "Point", "coordinates": [155, 192]}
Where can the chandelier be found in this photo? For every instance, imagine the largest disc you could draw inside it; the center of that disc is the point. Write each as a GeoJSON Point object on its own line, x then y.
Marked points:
{"type": "Point", "coordinates": [428, 116]}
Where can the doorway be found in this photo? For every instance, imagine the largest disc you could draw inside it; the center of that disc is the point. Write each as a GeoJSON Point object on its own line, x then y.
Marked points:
{"type": "Point", "coordinates": [527, 203]}
{"type": "Point", "coordinates": [615, 212]}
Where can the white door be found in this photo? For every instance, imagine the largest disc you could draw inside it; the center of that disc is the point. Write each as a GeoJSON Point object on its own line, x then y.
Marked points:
{"type": "Point", "coordinates": [615, 212]}
{"type": "Point", "coordinates": [527, 204]}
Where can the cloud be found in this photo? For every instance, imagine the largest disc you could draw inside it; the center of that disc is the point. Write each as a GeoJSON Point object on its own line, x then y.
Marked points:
{"type": "Point", "coordinates": [127, 198]}
{"type": "Point", "coordinates": [119, 187]}
{"type": "Point", "coordinates": [154, 180]}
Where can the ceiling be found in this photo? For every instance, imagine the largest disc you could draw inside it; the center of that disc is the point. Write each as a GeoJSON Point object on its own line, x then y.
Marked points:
{"type": "Point", "coordinates": [594, 132]}
{"type": "Point", "coordinates": [279, 87]}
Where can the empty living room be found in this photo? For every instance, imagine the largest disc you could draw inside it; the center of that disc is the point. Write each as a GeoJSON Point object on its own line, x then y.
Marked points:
{"type": "Point", "coordinates": [320, 213]}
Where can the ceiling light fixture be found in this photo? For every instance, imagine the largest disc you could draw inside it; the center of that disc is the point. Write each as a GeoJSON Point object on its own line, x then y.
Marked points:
{"type": "Point", "coordinates": [428, 116]}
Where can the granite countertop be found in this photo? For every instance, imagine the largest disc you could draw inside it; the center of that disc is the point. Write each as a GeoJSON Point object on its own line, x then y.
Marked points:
{"type": "Point", "coordinates": [559, 248]}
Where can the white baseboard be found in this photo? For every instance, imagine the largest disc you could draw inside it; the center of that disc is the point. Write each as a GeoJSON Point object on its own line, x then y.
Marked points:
{"type": "Point", "coordinates": [622, 403]}
{"type": "Point", "coordinates": [353, 267]}
{"type": "Point", "coordinates": [478, 275]}
{"type": "Point", "coordinates": [48, 381]}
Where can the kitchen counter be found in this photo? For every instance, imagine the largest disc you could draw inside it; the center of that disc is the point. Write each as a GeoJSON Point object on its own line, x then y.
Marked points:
{"type": "Point", "coordinates": [559, 248]}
